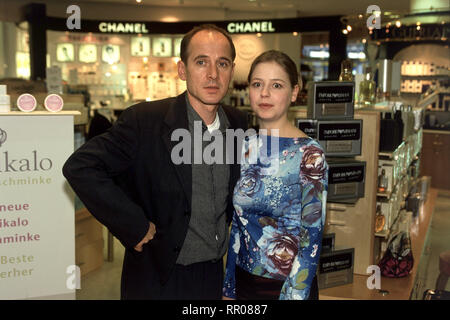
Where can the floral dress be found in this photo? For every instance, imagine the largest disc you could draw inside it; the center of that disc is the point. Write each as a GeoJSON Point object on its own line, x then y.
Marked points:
{"type": "Point", "coordinates": [279, 204]}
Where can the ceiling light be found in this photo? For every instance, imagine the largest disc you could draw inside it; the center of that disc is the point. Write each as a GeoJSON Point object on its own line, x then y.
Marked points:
{"type": "Point", "coordinates": [138, 1]}
{"type": "Point", "coordinates": [349, 28]}
{"type": "Point", "coordinates": [345, 31]}
{"type": "Point", "coordinates": [398, 23]}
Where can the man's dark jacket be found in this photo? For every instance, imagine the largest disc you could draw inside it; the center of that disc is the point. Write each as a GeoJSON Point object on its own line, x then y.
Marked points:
{"type": "Point", "coordinates": [126, 178]}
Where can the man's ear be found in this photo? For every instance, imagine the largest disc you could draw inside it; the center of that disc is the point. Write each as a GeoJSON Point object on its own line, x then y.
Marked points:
{"type": "Point", "coordinates": [181, 70]}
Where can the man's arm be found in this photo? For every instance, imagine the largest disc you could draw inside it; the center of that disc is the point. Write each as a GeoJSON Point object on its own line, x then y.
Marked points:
{"type": "Point", "coordinates": [90, 172]}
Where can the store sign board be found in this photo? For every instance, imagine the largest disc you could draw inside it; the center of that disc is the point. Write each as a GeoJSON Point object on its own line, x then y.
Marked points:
{"type": "Point", "coordinates": [119, 27]}
{"type": "Point", "coordinates": [250, 27]}
{"type": "Point", "coordinates": [425, 32]}
{"type": "Point", "coordinates": [303, 24]}
{"type": "Point", "coordinates": [36, 209]}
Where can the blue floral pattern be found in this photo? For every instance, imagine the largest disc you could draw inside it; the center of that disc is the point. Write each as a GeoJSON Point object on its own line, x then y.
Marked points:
{"type": "Point", "coordinates": [279, 217]}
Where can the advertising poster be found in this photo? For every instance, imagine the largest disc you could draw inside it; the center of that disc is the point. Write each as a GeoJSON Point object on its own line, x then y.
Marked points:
{"type": "Point", "coordinates": [162, 47]}
{"type": "Point", "coordinates": [65, 52]}
{"type": "Point", "coordinates": [140, 46]}
{"type": "Point", "coordinates": [37, 247]}
{"type": "Point", "coordinates": [176, 46]}
{"type": "Point", "coordinates": [111, 53]}
{"type": "Point", "coordinates": [88, 53]}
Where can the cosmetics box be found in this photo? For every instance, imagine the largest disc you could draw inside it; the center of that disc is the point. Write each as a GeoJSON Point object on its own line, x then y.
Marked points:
{"type": "Point", "coordinates": [308, 126]}
{"type": "Point", "coordinates": [335, 268]}
{"type": "Point", "coordinates": [328, 240]}
{"type": "Point", "coordinates": [340, 138]}
{"type": "Point", "coordinates": [346, 179]}
{"type": "Point", "coordinates": [331, 100]}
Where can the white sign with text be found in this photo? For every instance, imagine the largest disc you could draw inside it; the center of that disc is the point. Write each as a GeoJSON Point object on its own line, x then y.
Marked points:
{"type": "Point", "coordinates": [36, 207]}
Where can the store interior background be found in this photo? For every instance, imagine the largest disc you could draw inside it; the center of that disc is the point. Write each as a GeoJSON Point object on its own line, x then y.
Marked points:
{"type": "Point", "coordinates": [111, 87]}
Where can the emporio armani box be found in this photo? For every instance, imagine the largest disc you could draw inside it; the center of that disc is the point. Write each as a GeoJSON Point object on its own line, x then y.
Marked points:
{"type": "Point", "coordinates": [331, 100]}
{"type": "Point", "coordinates": [335, 268]}
{"type": "Point", "coordinates": [328, 240]}
{"type": "Point", "coordinates": [345, 179]}
{"type": "Point", "coordinates": [308, 126]}
{"type": "Point", "coordinates": [340, 138]}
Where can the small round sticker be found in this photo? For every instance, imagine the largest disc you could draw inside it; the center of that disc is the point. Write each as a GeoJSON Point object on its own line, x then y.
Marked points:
{"type": "Point", "coordinates": [26, 102]}
{"type": "Point", "coordinates": [53, 103]}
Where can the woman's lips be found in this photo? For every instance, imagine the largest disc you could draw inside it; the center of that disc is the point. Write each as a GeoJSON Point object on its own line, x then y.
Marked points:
{"type": "Point", "coordinates": [265, 105]}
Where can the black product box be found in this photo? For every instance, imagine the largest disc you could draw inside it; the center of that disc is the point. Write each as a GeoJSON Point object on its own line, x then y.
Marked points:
{"type": "Point", "coordinates": [345, 179]}
{"type": "Point", "coordinates": [335, 268]}
{"type": "Point", "coordinates": [328, 240]}
{"type": "Point", "coordinates": [340, 138]}
{"type": "Point", "coordinates": [331, 100]}
{"type": "Point", "coordinates": [308, 126]}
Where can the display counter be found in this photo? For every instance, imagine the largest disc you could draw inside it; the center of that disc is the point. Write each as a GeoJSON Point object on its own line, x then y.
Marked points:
{"type": "Point", "coordinates": [392, 288]}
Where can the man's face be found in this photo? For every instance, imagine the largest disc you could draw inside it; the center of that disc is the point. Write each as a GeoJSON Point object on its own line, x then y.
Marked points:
{"type": "Point", "coordinates": [208, 70]}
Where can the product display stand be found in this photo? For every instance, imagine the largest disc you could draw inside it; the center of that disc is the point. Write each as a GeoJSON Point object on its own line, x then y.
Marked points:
{"type": "Point", "coordinates": [37, 243]}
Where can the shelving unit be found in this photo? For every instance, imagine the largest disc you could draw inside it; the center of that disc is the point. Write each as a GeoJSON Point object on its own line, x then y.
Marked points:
{"type": "Point", "coordinates": [393, 201]}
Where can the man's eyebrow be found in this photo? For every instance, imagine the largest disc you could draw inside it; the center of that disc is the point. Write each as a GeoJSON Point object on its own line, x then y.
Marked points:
{"type": "Point", "coordinates": [225, 58]}
{"type": "Point", "coordinates": [201, 56]}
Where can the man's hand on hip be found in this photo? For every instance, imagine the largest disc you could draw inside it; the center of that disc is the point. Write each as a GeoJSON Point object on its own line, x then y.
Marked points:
{"type": "Point", "coordinates": [149, 236]}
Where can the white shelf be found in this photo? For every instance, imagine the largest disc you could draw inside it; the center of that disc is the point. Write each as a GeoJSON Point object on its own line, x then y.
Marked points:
{"type": "Point", "coordinates": [382, 234]}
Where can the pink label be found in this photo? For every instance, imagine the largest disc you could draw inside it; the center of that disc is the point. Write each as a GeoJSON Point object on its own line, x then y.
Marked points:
{"type": "Point", "coordinates": [26, 102]}
{"type": "Point", "coordinates": [53, 103]}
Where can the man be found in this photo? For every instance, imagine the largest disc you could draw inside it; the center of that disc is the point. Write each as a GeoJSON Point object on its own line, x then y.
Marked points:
{"type": "Point", "coordinates": [171, 218]}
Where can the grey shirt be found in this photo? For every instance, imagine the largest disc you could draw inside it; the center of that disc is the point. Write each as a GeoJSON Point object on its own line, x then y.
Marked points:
{"type": "Point", "coordinates": [207, 235]}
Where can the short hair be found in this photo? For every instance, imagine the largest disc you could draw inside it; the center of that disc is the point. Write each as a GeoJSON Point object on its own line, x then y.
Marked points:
{"type": "Point", "coordinates": [187, 39]}
{"type": "Point", "coordinates": [282, 59]}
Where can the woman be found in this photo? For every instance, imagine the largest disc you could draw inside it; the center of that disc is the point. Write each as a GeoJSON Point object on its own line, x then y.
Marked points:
{"type": "Point", "coordinates": [279, 200]}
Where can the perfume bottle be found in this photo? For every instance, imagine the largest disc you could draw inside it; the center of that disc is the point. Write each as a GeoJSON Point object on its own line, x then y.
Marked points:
{"type": "Point", "coordinates": [367, 88]}
{"type": "Point", "coordinates": [382, 182]}
{"type": "Point", "coordinates": [380, 220]}
{"type": "Point", "coordinates": [346, 70]}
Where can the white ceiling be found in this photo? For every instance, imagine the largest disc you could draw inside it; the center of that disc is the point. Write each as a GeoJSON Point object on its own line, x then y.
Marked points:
{"type": "Point", "coordinates": [301, 7]}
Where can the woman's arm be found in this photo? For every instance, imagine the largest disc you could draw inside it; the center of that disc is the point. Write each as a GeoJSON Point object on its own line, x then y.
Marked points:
{"type": "Point", "coordinates": [314, 183]}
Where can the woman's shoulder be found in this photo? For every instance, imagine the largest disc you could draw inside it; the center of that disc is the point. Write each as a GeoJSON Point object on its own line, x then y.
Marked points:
{"type": "Point", "coordinates": [295, 132]}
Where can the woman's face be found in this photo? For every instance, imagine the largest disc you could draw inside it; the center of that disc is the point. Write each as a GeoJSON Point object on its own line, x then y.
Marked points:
{"type": "Point", "coordinates": [271, 92]}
